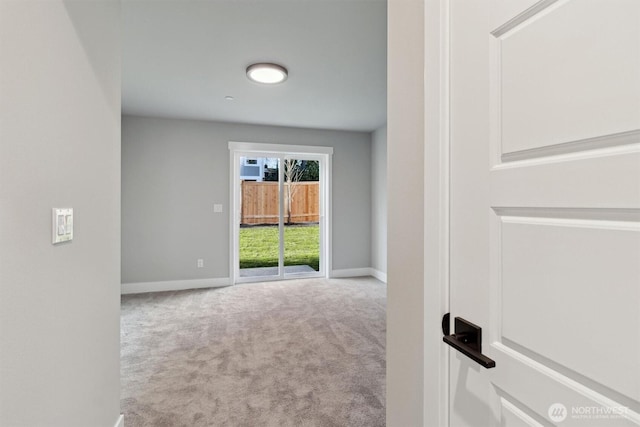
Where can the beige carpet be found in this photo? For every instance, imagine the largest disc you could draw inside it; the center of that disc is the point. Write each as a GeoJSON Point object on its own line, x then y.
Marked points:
{"type": "Point", "coordinates": [294, 353]}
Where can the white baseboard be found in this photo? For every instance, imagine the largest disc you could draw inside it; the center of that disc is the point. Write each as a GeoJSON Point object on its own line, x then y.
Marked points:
{"type": "Point", "coordinates": [351, 272]}
{"type": "Point", "coordinates": [379, 275]}
{"type": "Point", "coordinates": [173, 285]}
{"type": "Point", "coordinates": [120, 422]}
{"type": "Point", "coordinates": [179, 285]}
{"type": "Point", "coordinates": [359, 272]}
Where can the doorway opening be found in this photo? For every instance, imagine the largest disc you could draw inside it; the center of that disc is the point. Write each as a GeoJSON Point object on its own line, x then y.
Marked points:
{"type": "Point", "coordinates": [279, 222]}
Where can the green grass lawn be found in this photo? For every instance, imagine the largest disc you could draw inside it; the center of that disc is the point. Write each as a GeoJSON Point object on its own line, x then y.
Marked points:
{"type": "Point", "coordinates": [259, 246]}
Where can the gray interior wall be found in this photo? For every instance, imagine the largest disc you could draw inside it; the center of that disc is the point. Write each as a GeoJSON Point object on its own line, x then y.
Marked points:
{"type": "Point", "coordinates": [174, 170]}
{"type": "Point", "coordinates": [59, 147]}
{"type": "Point", "coordinates": [379, 200]}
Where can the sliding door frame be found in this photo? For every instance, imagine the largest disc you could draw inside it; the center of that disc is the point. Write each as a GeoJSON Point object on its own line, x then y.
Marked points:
{"type": "Point", "coordinates": [281, 151]}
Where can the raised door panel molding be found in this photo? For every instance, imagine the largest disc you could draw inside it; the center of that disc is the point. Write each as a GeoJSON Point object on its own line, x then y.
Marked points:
{"type": "Point", "coordinates": [555, 273]}
{"type": "Point", "coordinates": [590, 101]}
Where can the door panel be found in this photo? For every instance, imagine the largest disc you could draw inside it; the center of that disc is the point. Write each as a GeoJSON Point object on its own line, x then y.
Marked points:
{"type": "Point", "coordinates": [545, 210]}
{"type": "Point", "coordinates": [259, 219]}
{"type": "Point", "coordinates": [586, 87]}
{"type": "Point", "coordinates": [302, 226]}
{"type": "Point", "coordinates": [550, 264]}
{"type": "Point", "coordinates": [538, 384]}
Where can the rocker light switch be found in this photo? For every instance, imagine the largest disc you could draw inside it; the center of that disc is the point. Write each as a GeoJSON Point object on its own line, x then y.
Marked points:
{"type": "Point", "coordinates": [62, 227]}
{"type": "Point", "coordinates": [217, 208]}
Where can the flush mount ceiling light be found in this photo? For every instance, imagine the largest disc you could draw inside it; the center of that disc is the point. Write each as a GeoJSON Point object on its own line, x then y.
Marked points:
{"type": "Point", "coordinates": [267, 73]}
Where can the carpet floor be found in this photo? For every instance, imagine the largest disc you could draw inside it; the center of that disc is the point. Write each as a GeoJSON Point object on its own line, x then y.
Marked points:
{"type": "Point", "coordinates": [293, 353]}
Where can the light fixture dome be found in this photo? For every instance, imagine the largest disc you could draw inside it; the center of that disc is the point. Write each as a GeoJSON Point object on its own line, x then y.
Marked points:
{"type": "Point", "coordinates": [267, 73]}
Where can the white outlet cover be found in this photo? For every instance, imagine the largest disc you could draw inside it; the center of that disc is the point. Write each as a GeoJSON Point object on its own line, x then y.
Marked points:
{"type": "Point", "coordinates": [62, 225]}
{"type": "Point", "coordinates": [217, 208]}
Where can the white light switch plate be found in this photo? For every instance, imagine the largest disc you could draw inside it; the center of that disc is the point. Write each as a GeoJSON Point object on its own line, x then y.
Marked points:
{"type": "Point", "coordinates": [217, 208]}
{"type": "Point", "coordinates": [62, 226]}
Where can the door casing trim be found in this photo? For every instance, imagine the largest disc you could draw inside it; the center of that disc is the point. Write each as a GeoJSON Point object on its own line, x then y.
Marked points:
{"type": "Point", "coordinates": [436, 209]}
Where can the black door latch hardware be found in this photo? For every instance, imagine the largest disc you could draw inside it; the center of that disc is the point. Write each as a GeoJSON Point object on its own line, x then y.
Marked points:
{"type": "Point", "coordinates": [467, 339]}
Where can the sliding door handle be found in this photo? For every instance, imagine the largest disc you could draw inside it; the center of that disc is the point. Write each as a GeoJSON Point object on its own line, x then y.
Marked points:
{"type": "Point", "coordinates": [467, 339]}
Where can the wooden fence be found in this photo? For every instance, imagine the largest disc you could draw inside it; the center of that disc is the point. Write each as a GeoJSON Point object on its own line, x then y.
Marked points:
{"type": "Point", "coordinates": [259, 202]}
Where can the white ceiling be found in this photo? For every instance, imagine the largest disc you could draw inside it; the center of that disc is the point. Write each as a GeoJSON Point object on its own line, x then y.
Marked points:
{"type": "Point", "coordinates": [182, 57]}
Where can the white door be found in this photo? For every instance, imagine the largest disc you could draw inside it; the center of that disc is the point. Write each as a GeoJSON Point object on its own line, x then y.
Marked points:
{"type": "Point", "coordinates": [545, 211]}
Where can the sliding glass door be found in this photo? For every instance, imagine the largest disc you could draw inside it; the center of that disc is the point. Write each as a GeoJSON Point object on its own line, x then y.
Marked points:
{"type": "Point", "coordinates": [259, 222]}
{"type": "Point", "coordinates": [301, 216]}
{"type": "Point", "coordinates": [279, 225]}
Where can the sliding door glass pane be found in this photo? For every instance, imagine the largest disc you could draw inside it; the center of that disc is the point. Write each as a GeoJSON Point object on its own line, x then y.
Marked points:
{"type": "Point", "coordinates": [301, 216]}
{"type": "Point", "coordinates": [259, 242]}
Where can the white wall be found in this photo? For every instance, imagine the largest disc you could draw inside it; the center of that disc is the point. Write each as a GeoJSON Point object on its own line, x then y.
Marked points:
{"type": "Point", "coordinates": [406, 174]}
{"type": "Point", "coordinates": [379, 201]}
{"type": "Point", "coordinates": [59, 147]}
{"type": "Point", "coordinates": [174, 170]}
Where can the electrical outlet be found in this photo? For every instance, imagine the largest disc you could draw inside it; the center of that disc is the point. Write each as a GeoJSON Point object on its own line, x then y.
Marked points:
{"type": "Point", "coordinates": [200, 263]}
